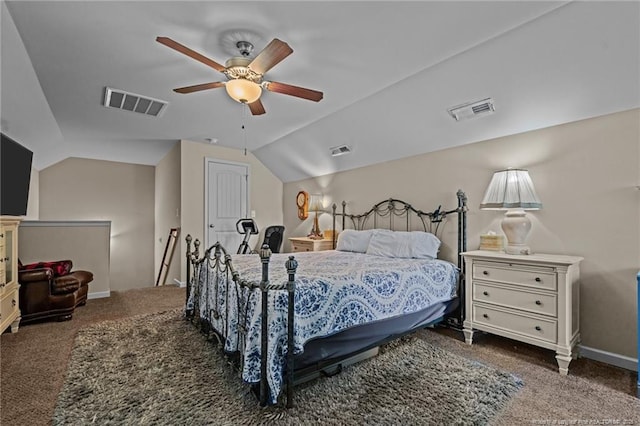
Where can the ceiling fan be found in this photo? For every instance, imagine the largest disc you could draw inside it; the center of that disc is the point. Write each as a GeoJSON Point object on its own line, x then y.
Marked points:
{"type": "Point", "coordinates": [245, 75]}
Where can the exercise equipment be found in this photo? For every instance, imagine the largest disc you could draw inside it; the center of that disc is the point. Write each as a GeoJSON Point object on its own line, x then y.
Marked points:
{"type": "Point", "coordinates": [246, 227]}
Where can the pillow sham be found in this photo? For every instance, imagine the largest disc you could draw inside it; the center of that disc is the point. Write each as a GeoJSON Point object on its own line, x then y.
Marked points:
{"type": "Point", "coordinates": [355, 241]}
{"type": "Point", "coordinates": [404, 244]}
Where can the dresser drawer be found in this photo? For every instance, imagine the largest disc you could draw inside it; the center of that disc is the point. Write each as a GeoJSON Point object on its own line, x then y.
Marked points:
{"type": "Point", "coordinates": [531, 277]}
{"type": "Point", "coordinates": [542, 329]}
{"type": "Point", "coordinates": [545, 304]}
{"type": "Point", "coordinates": [9, 305]}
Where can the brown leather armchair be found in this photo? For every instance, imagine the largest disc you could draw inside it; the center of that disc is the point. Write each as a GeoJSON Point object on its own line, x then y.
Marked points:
{"type": "Point", "coordinates": [44, 294]}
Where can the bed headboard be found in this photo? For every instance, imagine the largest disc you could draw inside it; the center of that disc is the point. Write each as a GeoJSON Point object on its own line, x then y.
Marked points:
{"type": "Point", "coordinates": [399, 215]}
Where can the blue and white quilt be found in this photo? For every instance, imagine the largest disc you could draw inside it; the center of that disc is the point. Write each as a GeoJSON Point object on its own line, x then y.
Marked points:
{"type": "Point", "coordinates": [334, 290]}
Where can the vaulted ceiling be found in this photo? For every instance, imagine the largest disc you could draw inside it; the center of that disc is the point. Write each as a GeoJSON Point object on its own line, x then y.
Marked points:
{"type": "Point", "coordinates": [388, 70]}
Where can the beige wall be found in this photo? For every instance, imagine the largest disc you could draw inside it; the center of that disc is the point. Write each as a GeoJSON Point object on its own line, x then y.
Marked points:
{"type": "Point", "coordinates": [33, 204]}
{"type": "Point", "coordinates": [86, 244]}
{"type": "Point", "coordinates": [265, 190]}
{"type": "Point", "coordinates": [167, 211]}
{"type": "Point", "coordinates": [81, 189]}
{"type": "Point", "coordinates": [586, 174]}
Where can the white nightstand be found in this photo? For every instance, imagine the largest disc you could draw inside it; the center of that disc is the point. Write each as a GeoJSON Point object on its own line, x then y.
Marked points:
{"type": "Point", "coordinates": [299, 244]}
{"type": "Point", "coordinates": [533, 299]}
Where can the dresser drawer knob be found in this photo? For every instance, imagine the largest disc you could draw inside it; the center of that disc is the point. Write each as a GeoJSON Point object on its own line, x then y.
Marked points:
{"type": "Point", "coordinates": [485, 272]}
{"type": "Point", "coordinates": [485, 316]}
{"type": "Point", "coordinates": [538, 279]}
{"type": "Point", "coordinates": [538, 328]}
{"type": "Point", "coordinates": [538, 302]}
{"type": "Point", "coordinates": [13, 302]}
{"type": "Point", "coordinates": [486, 293]}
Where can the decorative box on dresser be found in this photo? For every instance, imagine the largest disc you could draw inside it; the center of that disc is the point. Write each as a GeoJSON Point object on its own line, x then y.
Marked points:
{"type": "Point", "coordinates": [299, 244]}
{"type": "Point", "coordinates": [9, 306]}
{"type": "Point", "coordinates": [531, 298]}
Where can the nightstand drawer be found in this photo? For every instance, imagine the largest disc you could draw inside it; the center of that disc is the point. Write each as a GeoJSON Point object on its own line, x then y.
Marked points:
{"type": "Point", "coordinates": [531, 277]}
{"type": "Point", "coordinates": [298, 246]}
{"type": "Point", "coordinates": [545, 304]}
{"type": "Point", "coordinates": [542, 329]}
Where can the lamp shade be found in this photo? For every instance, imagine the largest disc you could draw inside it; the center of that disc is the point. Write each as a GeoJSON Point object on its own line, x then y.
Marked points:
{"type": "Point", "coordinates": [316, 202]}
{"type": "Point", "coordinates": [511, 189]}
{"type": "Point", "coordinates": [243, 91]}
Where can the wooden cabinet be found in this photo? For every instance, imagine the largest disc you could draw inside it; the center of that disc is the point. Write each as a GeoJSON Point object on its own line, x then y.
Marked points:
{"type": "Point", "coordinates": [533, 299]}
{"type": "Point", "coordinates": [299, 244]}
{"type": "Point", "coordinates": [9, 306]}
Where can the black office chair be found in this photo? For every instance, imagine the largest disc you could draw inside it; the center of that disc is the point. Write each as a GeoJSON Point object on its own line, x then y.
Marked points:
{"type": "Point", "coordinates": [273, 236]}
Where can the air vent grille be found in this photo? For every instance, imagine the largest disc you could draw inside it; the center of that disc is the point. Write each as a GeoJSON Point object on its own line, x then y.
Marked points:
{"type": "Point", "coordinates": [340, 150]}
{"type": "Point", "coordinates": [472, 109]}
{"type": "Point", "coordinates": [128, 101]}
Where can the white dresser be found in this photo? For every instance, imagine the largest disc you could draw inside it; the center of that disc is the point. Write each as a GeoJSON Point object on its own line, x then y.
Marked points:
{"type": "Point", "coordinates": [9, 306]}
{"type": "Point", "coordinates": [533, 299]}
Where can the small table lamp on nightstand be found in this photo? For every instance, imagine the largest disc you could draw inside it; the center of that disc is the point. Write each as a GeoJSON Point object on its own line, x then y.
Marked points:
{"type": "Point", "coordinates": [513, 190]}
{"type": "Point", "coordinates": [316, 204]}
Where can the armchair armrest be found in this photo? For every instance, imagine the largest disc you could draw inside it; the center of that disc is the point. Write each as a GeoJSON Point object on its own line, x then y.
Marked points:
{"type": "Point", "coordinates": [45, 276]}
{"type": "Point", "coordinates": [64, 285]}
{"type": "Point", "coordinates": [33, 275]}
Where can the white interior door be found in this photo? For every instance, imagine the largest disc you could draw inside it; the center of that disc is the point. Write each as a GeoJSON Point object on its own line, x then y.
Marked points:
{"type": "Point", "coordinates": [226, 201]}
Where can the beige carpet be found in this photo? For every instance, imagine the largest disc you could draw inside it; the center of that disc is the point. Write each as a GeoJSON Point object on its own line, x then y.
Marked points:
{"type": "Point", "coordinates": [34, 362]}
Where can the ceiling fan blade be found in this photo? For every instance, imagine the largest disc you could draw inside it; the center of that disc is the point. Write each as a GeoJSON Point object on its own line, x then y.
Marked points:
{"type": "Point", "coordinates": [199, 87]}
{"type": "Point", "coordinates": [300, 92]}
{"type": "Point", "coordinates": [256, 108]}
{"type": "Point", "coordinates": [190, 53]}
{"type": "Point", "coordinates": [271, 55]}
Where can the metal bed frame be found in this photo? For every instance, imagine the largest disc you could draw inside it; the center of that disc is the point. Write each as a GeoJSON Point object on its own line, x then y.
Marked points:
{"type": "Point", "coordinates": [217, 258]}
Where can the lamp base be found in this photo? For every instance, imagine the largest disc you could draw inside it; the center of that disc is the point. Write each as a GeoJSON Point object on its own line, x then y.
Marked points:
{"type": "Point", "coordinates": [517, 249]}
{"type": "Point", "coordinates": [516, 226]}
{"type": "Point", "coordinates": [316, 233]}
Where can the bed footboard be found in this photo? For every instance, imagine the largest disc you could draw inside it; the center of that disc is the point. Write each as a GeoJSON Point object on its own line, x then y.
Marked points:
{"type": "Point", "coordinates": [230, 303]}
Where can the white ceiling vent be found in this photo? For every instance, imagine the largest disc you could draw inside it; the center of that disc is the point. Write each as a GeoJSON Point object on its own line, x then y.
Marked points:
{"type": "Point", "coordinates": [340, 150]}
{"type": "Point", "coordinates": [127, 101]}
{"type": "Point", "coordinates": [472, 109]}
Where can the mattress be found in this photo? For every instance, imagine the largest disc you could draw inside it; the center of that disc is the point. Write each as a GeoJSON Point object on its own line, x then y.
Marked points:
{"type": "Point", "coordinates": [335, 291]}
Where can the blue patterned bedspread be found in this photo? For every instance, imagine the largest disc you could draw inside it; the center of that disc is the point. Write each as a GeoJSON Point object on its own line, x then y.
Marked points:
{"type": "Point", "coordinates": [334, 291]}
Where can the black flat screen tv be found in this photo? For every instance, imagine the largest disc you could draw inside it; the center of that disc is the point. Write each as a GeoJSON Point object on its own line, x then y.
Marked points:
{"type": "Point", "coordinates": [15, 176]}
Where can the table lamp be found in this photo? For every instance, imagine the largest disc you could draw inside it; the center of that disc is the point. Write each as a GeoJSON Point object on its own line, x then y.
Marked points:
{"type": "Point", "coordinates": [512, 190]}
{"type": "Point", "coordinates": [316, 204]}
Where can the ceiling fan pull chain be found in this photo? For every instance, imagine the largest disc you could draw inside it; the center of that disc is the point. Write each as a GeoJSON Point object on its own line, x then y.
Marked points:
{"type": "Point", "coordinates": [244, 131]}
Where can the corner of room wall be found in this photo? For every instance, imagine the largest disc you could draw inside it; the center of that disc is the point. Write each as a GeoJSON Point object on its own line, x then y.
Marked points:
{"type": "Point", "coordinates": [167, 210]}
{"type": "Point", "coordinates": [80, 189]}
{"type": "Point", "coordinates": [265, 189]}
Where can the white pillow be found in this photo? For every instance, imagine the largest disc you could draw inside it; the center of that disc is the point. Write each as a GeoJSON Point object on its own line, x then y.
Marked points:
{"type": "Point", "coordinates": [390, 244]}
{"type": "Point", "coordinates": [402, 244]}
{"type": "Point", "coordinates": [425, 245]}
{"type": "Point", "coordinates": [352, 240]}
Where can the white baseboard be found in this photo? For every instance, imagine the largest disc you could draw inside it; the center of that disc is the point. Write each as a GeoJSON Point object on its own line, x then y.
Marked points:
{"type": "Point", "coordinates": [99, 294]}
{"type": "Point", "coordinates": [617, 360]}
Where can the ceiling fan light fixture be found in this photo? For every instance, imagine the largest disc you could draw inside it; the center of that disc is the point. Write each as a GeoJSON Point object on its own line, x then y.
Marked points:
{"type": "Point", "coordinates": [243, 91]}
